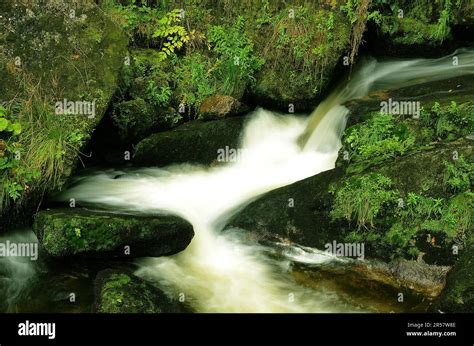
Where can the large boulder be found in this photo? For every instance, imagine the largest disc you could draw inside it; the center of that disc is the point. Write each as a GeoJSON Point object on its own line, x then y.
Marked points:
{"type": "Point", "coordinates": [303, 49]}
{"type": "Point", "coordinates": [194, 142]}
{"type": "Point", "coordinates": [80, 232]}
{"type": "Point", "coordinates": [300, 212]}
{"type": "Point", "coordinates": [50, 52]}
{"type": "Point", "coordinates": [119, 291]}
{"type": "Point", "coordinates": [300, 44]}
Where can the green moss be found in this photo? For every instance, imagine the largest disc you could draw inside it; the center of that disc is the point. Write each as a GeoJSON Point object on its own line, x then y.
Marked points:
{"type": "Point", "coordinates": [122, 294]}
{"type": "Point", "coordinates": [65, 232]}
{"type": "Point", "coordinates": [68, 57]}
{"type": "Point", "coordinates": [458, 296]}
{"type": "Point", "coordinates": [417, 22]}
{"type": "Point", "coordinates": [308, 44]}
{"type": "Point", "coordinates": [382, 137]}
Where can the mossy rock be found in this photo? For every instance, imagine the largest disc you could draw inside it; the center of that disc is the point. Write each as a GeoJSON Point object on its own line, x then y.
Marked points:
{"type": "Point", "coordinates": [136, 119]}
{"type": "Point", "coordinates": [423, 171]}
{"type": "Point", "coordinates": [147, 66]}
{"type": "Point", "coordinates": [301, 43]}
{"type": "Point", "coordinates": [80, 232]}
{"type": "Point", "coordinates": [122, 292]}
{"type": "Point", "coordinates": [221, 106]}
{"type": "Point", "coordinates": [195, 142]}
{"type": "Point", "coordinates": [458, 296]}
{"type": "Point", "coordinates": [300, 212]}
{"type": "Point", "coordinates": [419, 27]}
{"type": "Point", "coordinates": [459, 89]}
{"type": "Point", "coordinates": [302, 55]}
{"type": "Point", "coordinates": [63, 50]}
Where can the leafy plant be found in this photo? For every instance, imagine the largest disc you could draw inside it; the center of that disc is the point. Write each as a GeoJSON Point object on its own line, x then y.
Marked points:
{"type": "Point", "coordinates": [448, 122]}
{"type": "Point", "coordinates": [159, 98]}
{"type": "Point", "coordinates": [194, 80]}
{"type": "Point", "coordinates": [264, 15]}
{"type": "Point", "coordinates": [417, 23]}
{"type": "Point", "coordinates": [152, 27]}
{"type": "Point", "coordinates": [377, 139]}
{"type": "Point", "coordinates": [442, 28]}
{"type": "Point", "coordinates": [171, 35]}
{"type": "Point", "coordinates": [362, 199]}
{"type": "Point", "coordinates": [458, 175]}
{"type": "Point", "coordinates": [7, 125]}
{"type": "Point", "coordinates": [236, 63]}
{"type": "Point", "coordinates": [9, 161]}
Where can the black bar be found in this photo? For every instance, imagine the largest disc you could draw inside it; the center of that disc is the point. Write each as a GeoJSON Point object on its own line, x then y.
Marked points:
{"type": "Point", "coordinates": [191, 329]}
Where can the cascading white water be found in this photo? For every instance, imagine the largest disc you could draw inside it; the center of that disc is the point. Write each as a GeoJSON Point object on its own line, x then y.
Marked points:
{"type": "Point", "coordinates": [221, 271]}
{"type": "Point", "coordinates": [371, 75]}
{"type": "Point", "coordinates": [16, 273]}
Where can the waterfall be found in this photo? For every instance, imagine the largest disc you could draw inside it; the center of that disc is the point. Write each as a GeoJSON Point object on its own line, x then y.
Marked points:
{"type": "Point", "coordinates": [223, 271]}
{"type": "Point", "coordinates": [371, 75]}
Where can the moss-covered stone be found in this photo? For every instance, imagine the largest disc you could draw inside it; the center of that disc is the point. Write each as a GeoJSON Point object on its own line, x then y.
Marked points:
{"type": "Point", "coordinates": [122, 292]}
{"type": "Point", "coordinates": [302, 47]}
{"type": "Point", "coordinates": [68, 232]}
{"type": "Point", "coordinates": [308, 222]}
{"type": "Point", "coordinates": [460, 90]}
{"type": "Point", "coordinates": [136, 119]}
{"type": "Point", "coordinates": [423, 171]}
{"type": "Point", "coordinates": [51, 51]}
{"type": "Point", "coordinates": [194, 142]}
{"type": "Point", "coordinates": [220, 106]}
{"type": "Point", "coordinates": [419, 27]}
{"type": "Point", "coordinates": [458, 295]}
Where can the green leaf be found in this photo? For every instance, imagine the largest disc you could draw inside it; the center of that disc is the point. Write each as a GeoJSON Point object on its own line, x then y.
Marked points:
{"type": "Point", "coordinates": [16, 128]}
{"type": "Point", "coordinates": [3, 124]}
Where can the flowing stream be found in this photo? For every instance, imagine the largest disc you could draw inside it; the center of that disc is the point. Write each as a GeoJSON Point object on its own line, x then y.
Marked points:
{"type": "Point", "coordinates": [225, 271]}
